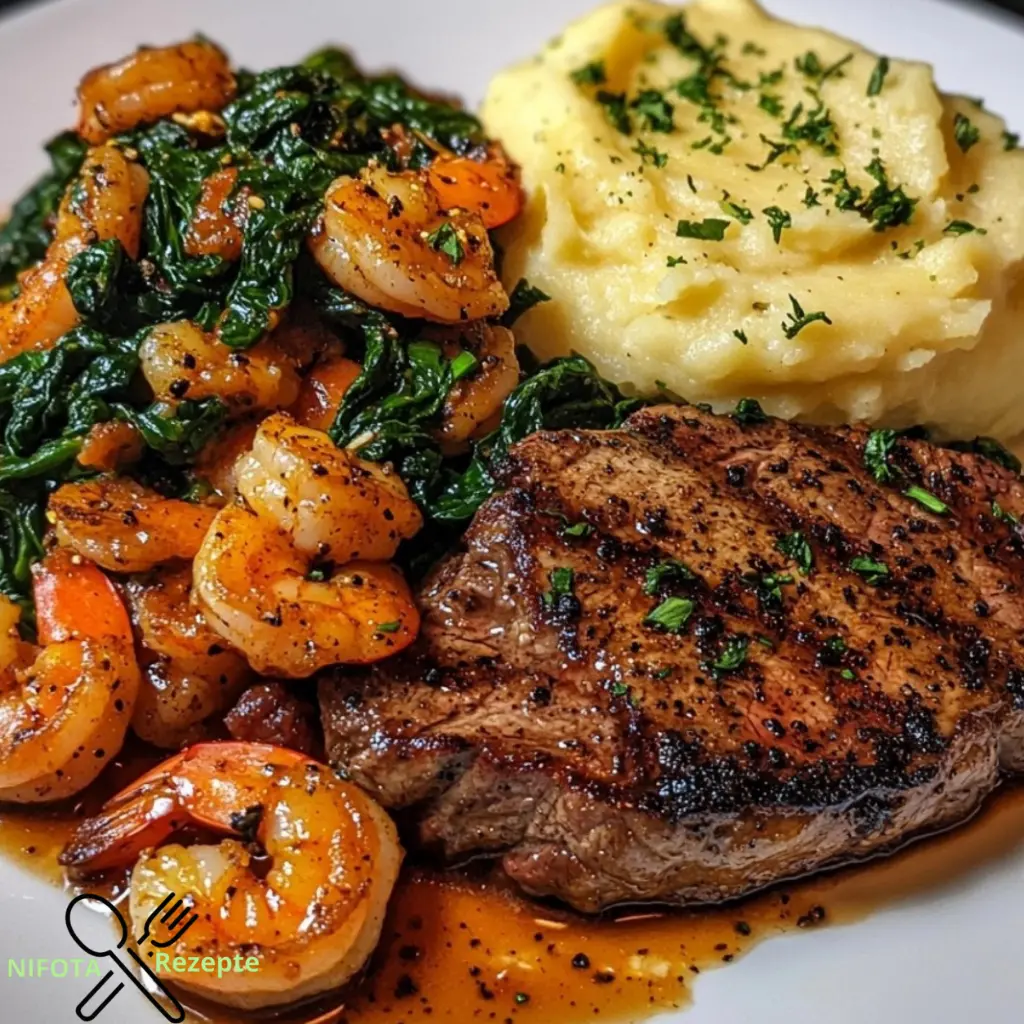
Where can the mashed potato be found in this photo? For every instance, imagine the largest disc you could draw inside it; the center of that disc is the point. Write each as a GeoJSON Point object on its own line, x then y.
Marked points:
{"type": "Point", "coordinates": [725, 205]}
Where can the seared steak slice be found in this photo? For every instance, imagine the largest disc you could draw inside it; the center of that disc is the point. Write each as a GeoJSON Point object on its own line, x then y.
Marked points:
{"type": "Point", "coordinates": [803, 714]}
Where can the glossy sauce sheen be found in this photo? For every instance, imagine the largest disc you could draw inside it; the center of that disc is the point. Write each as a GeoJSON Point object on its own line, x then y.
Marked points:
{"type": "Point", "coordinates": [461, 949]}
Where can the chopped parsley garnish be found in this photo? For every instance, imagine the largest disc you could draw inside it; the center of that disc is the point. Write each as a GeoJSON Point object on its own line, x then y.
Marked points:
{"type": "Point", "coordinates": [966, 132]}
{"type": "Point", "coordinates": [732, 655]}
{"type": "Point", "coordinates": [563, 581]}
{"type": "Point", "coordinates": [768, 588]}
{"type": "Point", "coordinates": [671, 615]}
{"type": "Point", "coordinates": [674, 261]}
{"type": "Point", "coordinates": [811, 198]}
{"type": "Point", "coordinates": [654, 110]}
{"type": "Point", "coordinates": [463, 365]}
{"type": "Point", "coordinates": [877, 450]}
{"type": "Point", "coordinates": [1002, 515]}
{"type": "Point", "coordinates": [810, 65]}
{"type": "Point", "coordinates": [619, 689]}
{"type": "Point", "coordinates": [740, 335]}
{"type": "Point", "coordinates": [770, 104]}
{"type": "Point", "coordinates": [677, 33]}
{"type": "Point", "coordinates": [649, 154]}
{"type": "Point", "coordinates": [695, 88]}
{"type": "Point", "coordinates": [734, 210]}
{"type": "Point", "coordinates": [835, 646]}
{"type": "Point", "coordinates": [877, 79]}
{"type": "Point", "coordinates": [578, 530]}
{"type": "Point", "coordinates": [669, 571]}
{"type": "Point", "coordinates": [751, 48]}
{"type": "Point", "coordinates": [614, 104]}
{"type": "Point", "coordinates": [798, 319]}
{"type": "Point", "coordinates": [795, 547]}
{"type": "Point", "coordinates": [909, 254]}
{"type": "Point", "coordinates": [775, 150]}
{"type": "Point", "coordinates": [1011, 140]}
{"type": "Point", "coordinates": [779, 219]}
{"type": "Point", "coordinates": [817, 128]}
{"type": "Point", "coordinates": [848, 673]}
{"type": "Point", "coordinates": [872, 571]}
{"type": "Point", "coordinates": [887, 207]}
{"type": "Point", "coordinates": [590, 74]}
{"type": "Point", "coordinates": [388, 627]}
{"type": "Point", "coordinates": [748, 412]}
{"type": "Point", "coordinates": [927, 500]}
{"type": "Point", "coordinates": [845, 195]}
{"type": "Point", "coordinates": [445, 238]}
{"type": "Point", "coordinates": [711, 229]}
{"type": "Point", "coordinates": [962, 227]}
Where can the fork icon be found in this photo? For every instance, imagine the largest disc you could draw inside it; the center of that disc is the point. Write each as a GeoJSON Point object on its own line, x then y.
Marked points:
{"type": "Point", "coordinates": [175, 917]}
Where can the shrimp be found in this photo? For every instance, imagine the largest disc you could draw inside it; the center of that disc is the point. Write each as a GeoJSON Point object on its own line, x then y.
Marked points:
{"type": "Point", "coordinates": [217, 224]}
{"type": "Point", "coordinates": [125, 527]}
{"type": "Point", "coordinates": [216, 464]}
{"type": "Point", "coordinates": [305, 338]}
{"type": "Point", "coordinates": [489, 188]}
{"type": "Point", "coordinates": [65, 708]}
{"type": "Point", "coordinates": [302, 883]}
{"type": "Point", "coordinates": [387, 239]}
{"type": "Point", "coordinates": [335, 506]}
{"type": "Point", "coordinates": [322, 390]}
{"type": "Point", "coordinates": [473, 405]}
{"type": "Point", "coordinates": [150, 84]}
{"type": "Point", "coordinates": [189, 673]}
{"type": "Point", "coordinates": [262, 595]}
{"type": "Point", "coordinates": [109, 445]}
{"type": "Point", "coordinates": [104, 203]}
{"type": "Point", "coordinates": [180, 362]}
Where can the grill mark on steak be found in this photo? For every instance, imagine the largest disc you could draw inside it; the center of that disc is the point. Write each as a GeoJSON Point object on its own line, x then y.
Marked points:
{"type": "Point", "coordinates": [607, 761]}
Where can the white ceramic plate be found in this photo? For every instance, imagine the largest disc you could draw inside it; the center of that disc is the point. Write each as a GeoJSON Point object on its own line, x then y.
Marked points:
{"type": "Point", "coordinates": [946, 957]}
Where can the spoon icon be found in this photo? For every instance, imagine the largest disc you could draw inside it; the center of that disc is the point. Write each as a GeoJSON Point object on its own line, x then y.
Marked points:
{"type": "Point", "coordinates": [83, 931]}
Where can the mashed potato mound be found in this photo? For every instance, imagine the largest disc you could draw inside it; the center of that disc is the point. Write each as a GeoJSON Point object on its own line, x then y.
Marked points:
{"type": "Point", "coordinates": [726, 205]}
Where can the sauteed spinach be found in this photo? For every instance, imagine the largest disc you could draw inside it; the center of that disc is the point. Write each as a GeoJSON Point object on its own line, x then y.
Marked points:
{"type": "Point", "coordinates": [289, 132]}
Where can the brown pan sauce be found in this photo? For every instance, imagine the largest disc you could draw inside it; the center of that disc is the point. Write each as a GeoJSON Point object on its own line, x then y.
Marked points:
{"type": "Point", "coordinates": [464, 947]}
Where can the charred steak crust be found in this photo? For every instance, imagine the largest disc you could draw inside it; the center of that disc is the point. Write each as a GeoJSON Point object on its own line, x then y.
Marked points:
{"type": "Point", "coordinates": [830, 667]}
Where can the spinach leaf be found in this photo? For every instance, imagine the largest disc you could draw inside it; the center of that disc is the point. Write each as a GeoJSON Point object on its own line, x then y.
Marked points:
{"type": "Point", "coordinates": [27, 233]}
{"type": "Point", "coordinates": [22, 522]}
{"type": "Point", "coordinates": [177, 434]}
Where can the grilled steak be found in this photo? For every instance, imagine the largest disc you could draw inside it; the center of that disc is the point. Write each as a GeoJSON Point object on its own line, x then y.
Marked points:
{"type": "Point", "coordinates": [762, 662]}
